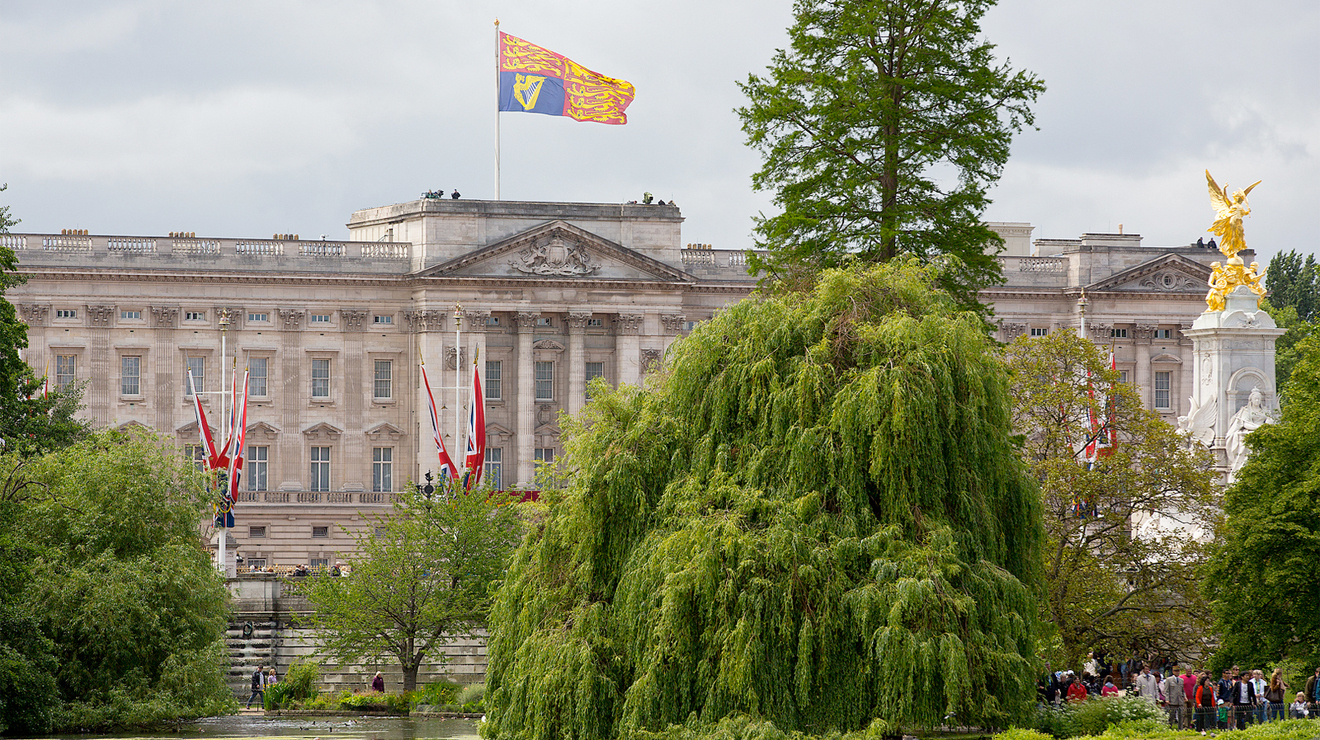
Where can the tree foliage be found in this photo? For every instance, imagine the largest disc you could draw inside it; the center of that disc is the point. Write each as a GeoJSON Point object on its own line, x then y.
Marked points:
{"type": "Point", "coordinates": [113, 575]}
{"type": "Point", "coordinates": [32, 421]}
{"type": "Point", "coordinates": [419, 578]}
{"type": "Point", "coordinates": [883, 125]}
{"type": "Point", "coordinates": [1294, 283]}
{"type": "Point", "coordinates": [814, 516]}
{"type": "Point", "coordinates": [1123, 549]}
{"type": "Point", "coordinates": [1263, 580]}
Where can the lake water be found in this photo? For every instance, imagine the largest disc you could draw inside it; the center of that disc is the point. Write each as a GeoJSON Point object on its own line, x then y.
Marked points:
{"type": "Point", "coordinates": [307, 728]}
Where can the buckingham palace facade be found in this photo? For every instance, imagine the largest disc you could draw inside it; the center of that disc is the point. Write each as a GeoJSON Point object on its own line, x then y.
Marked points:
{"type": "Point", "coordinates": [547, 296]}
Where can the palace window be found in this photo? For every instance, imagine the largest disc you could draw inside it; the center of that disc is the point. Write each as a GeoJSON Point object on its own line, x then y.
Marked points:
{"type": "Point", "coordinates": [257, 368]}
{"type": "Point", "coordinates": [382, 469]}
{"type": "Point", "coordinates": [545, 381]}
{"type": "Point", "coordinates": [318, 563]}
{"type": "Point", "coordinates": [66, 370]}
{"type": "Point", "coordinates": [320, 531]}
{"type": "Point", "coordinates": [196, 368]}
{"type": "Point", "coordinates": [597, 323]}
{"type": "Point", "coordinates": [320, 469]}
{"type": "Point", "coordinates": [256, 533]}
{"type": "Point", "coordinates": [130, 375]}
{"type": "Point", "coordinates": [257, 467]}
{"type": "Point", "coordinates": [382, 319]}
{"type": "Point", "coordinates": [1164, 334]}
{"type": "Point", "coordinates": [196, 454]}
{"type": "Point", "coordinates": [320, 318]}
{"type": "Point", "coordinates": [494, 384]}
{"type": "Point", "coordinates": [544, 321]}
{"type": "Point", "coordinates": [594, 370]}
{"type": "Point", "coordinates": [492, 321]}
{"type": "Point", "coordinates": [258, 317]}
{"type": "Point", "coordinates": [493, 465]}
{"type": "Point", "coordinates": [130, 315]}
{"type": "Point", "coordinates": [194, 316]}
{"type": "Point", "coordinates": [1039, 331]}
{"type": "Point", "coordinates": [1118, 333]}
{"type": "Point", "coordinates": [256, 563]}
{"type": "Point", "coordinates": [1162, 388]}
{"type": "Point", "coordinates": [66, 313]}
{"type": "Point", "coordinates": [320, 378]}
{"type": "Point", "coordinates": [384, 373]}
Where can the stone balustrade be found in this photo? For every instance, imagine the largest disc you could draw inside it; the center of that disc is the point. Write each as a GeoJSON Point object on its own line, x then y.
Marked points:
{"type": "Point", "coordinates": [284, 498]}
{"type": "Point", "coordinates": [155, 252]}
{"type": "Point", "coordinates": [727, 263]}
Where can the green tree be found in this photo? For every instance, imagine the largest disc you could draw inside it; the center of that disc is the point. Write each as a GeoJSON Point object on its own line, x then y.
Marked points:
{"type": "Point", "coordinates": [419, 578]}
{"type": "Point", "coordinates": [814, 515]}
{"type": "Point", "coordinates": [1294, 283]}
{"type": "Point", "coordinates": [1123, 551]}
{"type": "Point", "coordinates": [1263, 580]}
{"type": "Point", "coordinates": [882, 126]}
{"type": "Point", "coordinates": [120, 585]}
{"type": "Point", "coordinates": [33, 419]}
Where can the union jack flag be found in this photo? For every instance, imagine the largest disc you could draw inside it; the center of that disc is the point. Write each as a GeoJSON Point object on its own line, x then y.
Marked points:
{"type": "Point", "coordinates": [476, 436]}
{"type": "Point", "coordinates": [447, 469]}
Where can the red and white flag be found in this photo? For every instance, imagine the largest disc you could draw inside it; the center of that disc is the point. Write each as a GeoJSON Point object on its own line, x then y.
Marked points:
{"type": "Point", "coordinates": [476, 433]}
{"type": "Point", "coordinates": [237, 436]}
{"type": "Point", "coordinates": [203, 431]}
{"type": "Point", "coordinates": [447, 469]}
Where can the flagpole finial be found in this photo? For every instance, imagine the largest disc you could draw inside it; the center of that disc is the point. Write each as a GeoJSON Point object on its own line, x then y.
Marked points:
{"type": "Point", "coordinates": [497, 22]}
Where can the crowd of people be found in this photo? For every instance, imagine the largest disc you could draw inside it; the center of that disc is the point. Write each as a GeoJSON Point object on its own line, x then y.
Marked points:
{"type": "Point", "coordinates": [1193, 699]}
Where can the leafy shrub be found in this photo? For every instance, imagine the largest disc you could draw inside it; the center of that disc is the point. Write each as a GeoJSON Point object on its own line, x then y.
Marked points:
{"type": "Point", "coordinates": [279, 696]}
{"type": "Point", "coordinates": [1095, 716]}
{"type": "Point", "coordinates": [1021, 733]}
{"type": "Point", "coordinates": [438, 693]}
{"type": "Point", "coordinates": [301, 679]}
{"type": "Point", "coordinates": [1059, 722]}
{"type": "Point", "coordinates": [395, 703]}
{"type": "Point", "coordinates": [472, 693]}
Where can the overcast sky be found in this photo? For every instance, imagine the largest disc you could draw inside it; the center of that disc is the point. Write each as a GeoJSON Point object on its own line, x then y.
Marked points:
{"type": "Point", "coordinates": [242, 118]}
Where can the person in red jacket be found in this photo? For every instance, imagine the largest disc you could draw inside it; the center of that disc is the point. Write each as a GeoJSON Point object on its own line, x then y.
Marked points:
{"type": "Point", "coordinates": [1076, 691]}
{"type": "Point", "coordinates": [1109, 688]}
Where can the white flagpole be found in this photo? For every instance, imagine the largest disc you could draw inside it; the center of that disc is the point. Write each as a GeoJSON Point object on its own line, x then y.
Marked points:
{"type": "Point", "coordinates": [458, 383]}
{"type": "Point", "coordinates": [224, 532]}
{"type": "Point", "coordinates": [497, 109]}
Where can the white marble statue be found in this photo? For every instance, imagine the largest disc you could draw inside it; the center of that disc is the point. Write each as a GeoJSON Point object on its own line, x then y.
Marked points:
{"type": "Point", "coordinates": [1248, 419]}
{"type": "Point", "coordinates": [1199, 423]}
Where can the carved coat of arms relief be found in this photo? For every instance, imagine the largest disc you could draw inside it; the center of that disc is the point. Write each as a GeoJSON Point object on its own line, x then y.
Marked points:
{"type": "Point", "coordinates": [555, 256]}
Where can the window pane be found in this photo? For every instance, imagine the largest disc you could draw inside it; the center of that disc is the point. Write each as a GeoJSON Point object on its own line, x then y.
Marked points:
{"type": "Point", "coordinates": [383, 377]}
{"type": "Point", "coordinates": [493, 381]}
{"type": "Point", "coordinates": [1162, 390]}
{"type": "Point", "coordinates": [196, 366]}
{"type": "Point", "coordinates": [130, 369]}
{"type": "Point", "coordinates": [66, 370]}
{"type": "Point", "coordinates": [545, 381]}
{"type": "Point", "coordinates": [320, 378]}
{"type": "Point", "coordinates": [382, 469]}
{"type": "Point", "coordinates": [257, 376]}
{"type": "Point", "coordinates": [320, 469]}
{"type": "Point", "coordinates": [594, 370]}
{"type": "Point", "coordinates": [494, 456]}
{"type": "Point", "coordinates": [257, 462]}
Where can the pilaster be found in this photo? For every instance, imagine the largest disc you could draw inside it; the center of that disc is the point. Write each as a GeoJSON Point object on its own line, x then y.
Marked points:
{"type": "Point", "coordinates": [577, 359]}
{"type": "Point", "coordinates": [525, 323]}
{"type": "Point", "coordinates": [627, 347]}
{"type": "Point", "coordinates": [167, 366]}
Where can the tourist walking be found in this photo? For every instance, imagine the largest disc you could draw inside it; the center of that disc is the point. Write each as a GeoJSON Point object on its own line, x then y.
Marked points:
{"type": "Point", "coordinates": [1147, 685]}
{"type": "Point", "coordinates": [1244, 701]}
{"type": "Point", "coordinates": [1205, 705]}
{"type": "Point", "coordinates": [378, 683]}
{"type": "Point", "coordinates": [1175, 696]}
{"type": "Point", "coordinates": [258, 686]}
{"type": "Point", "coordinates": [1275, 695]}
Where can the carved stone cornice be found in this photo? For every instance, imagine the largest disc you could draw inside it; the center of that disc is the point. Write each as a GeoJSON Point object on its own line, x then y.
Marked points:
{"type": "Point", "coordinates": [100, 315]}
{"type": "Point", "coordinates": [290, 317]}
{"type": "Point", "coordinates": [428, 320]}
{"type": "Point", "coordinates": [34, 314]}
{"type": "Point", "coordinates": [628, 323]}
{"type": "Point", "coordinates": [352, 319]}
{"type": "Point", "coordinates": [165, 317]}
{"type": "Point", "coordinates": [452, 357]}
{"type": "Point", "coordinates": [1011, 330]}
{"type": "Point", "coordinates": [1144, 333]}
{"type": "Point", "coordinates": [673, 322]}
{"type": "Point", "coordinates": [577, 322]}
{"type": "Point", "coordinates": [475, 320]}
{"type": "Point", "coordinates": [525, 320]}
{"type": "Point", "coordinates": [651, 359]}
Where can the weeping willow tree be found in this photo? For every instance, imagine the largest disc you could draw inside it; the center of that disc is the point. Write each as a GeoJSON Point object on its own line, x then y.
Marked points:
{"type": "Point", "coordinates": [813, 516]}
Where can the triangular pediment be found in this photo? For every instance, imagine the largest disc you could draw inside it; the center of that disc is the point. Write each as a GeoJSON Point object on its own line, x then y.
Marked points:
{"type": "Point", "coordinates": [1168, 273]}
{"type": "Point", "coordinates": [137, 426]}
{"type": "Point", "coordinates": [558, 250]}
{"type": "Point", "coordinates": [323, 431]}
{"type": "Point", "coordinates": [385, 431]}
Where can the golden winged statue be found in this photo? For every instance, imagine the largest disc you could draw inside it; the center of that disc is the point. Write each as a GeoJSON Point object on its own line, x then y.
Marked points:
{"type": "Point", "coordinates": [1230, 209]}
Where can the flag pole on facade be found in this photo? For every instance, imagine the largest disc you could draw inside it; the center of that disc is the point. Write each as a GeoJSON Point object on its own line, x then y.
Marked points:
{"type": "Point", "coordinates": [497, 109]}
{"type": "Point", "coordinates": [458, 379]}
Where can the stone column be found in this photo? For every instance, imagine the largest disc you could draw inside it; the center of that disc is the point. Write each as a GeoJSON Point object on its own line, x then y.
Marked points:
{"type": "Point", "coordinates": [627, 347]}
{"type": "Point", "coordinates": [577, 360]}
{"type": "Point", "coordinates": [37, 355]}
{"type": "Point", "coordinates": [354, 459]}
{"type": "Point", "coordinates": [295, 391]}
{"type": "Point", "coordinates": [1144, 333]}
{"type": "Point", "coordinates": [525, 321]}
{"type": "Point", "coordinates": [103, 390]}
{"type": "Point", "coordinates": [167, 370]}
{"type": "Point", "coordinates": [673, 324]}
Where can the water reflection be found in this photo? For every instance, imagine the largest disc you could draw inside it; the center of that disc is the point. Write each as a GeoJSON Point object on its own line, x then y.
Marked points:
{"type": "Point", "coordinates": [325, 728]}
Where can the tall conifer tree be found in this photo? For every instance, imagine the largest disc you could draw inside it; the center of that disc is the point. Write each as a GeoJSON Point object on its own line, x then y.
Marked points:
{"type": "Point", "coordinates": [883, 125]}
{"type": "Point", "coordinates": [814, 515]}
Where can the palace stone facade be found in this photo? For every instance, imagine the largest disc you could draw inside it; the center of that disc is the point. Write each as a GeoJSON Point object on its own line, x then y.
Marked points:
{"type": "Point", "coordinates": [547, 295]}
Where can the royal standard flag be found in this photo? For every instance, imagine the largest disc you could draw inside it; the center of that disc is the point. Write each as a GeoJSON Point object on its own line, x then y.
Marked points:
{"type": "Point", "coordinates": [537, 80]}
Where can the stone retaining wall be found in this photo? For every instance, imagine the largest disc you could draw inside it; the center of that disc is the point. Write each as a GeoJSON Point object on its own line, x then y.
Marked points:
{"type": "Point", "coordinates": [264, 631]}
